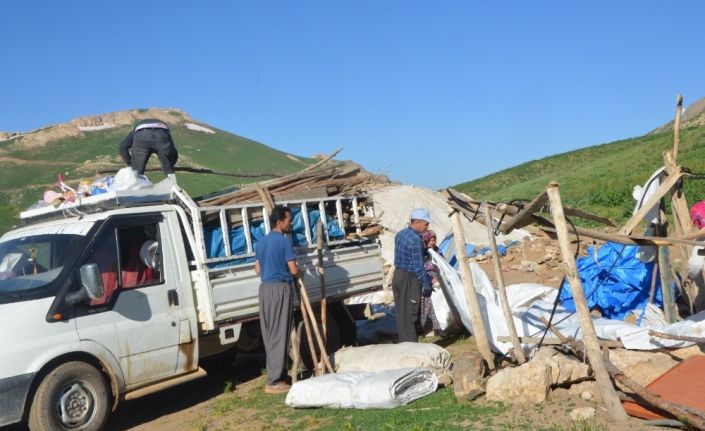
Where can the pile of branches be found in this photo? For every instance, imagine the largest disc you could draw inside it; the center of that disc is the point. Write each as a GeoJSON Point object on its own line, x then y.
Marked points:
{"type": "Point", "coordinates": [326, 177]}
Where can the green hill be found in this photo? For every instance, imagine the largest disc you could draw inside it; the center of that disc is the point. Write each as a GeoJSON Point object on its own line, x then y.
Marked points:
{"type": "Point", "coordinates": [30, 162]}
{"type": "Point", "coordinates": [600, 178]}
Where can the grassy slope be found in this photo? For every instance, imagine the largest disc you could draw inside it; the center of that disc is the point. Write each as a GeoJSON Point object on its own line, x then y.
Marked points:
{"type": "Point", "coordinates": [23, 184]}
{"type": "Point", "coordinates": [599, 178]}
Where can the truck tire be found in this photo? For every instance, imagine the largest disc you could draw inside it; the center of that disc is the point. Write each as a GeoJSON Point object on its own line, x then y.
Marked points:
{"type": "Point", "coordinates": [332, 341]}
{"type": "Point", "coordinates": [74, 396]}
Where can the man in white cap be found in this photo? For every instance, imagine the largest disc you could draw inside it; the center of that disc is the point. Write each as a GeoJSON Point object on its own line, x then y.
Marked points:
{"type": "Point", "coordinates": [409, 274]}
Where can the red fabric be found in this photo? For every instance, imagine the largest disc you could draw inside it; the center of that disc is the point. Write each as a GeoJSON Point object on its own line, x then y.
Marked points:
{"type": "Point", "coordinates": [697, 214]}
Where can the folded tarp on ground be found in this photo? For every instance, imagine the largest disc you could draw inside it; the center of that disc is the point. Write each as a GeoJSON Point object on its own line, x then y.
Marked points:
{"type": "Point", "coordinates": [381, 357]}
{"type": "Point", "coordinates": [363, 390]}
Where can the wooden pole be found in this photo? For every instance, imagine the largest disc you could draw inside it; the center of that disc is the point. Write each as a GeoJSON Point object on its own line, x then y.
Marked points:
{"type": "Point", "coordinates": [478, 324]}
{"type": "Point", "coordinates": [691, 416]}
{"type": "Point", "coordinates": [295, 355]}
{"type": "Point", "coordinates": [497, 264]}
{"type": "Point", "coordinates": [307, 305]}
{"type": "Point", "coordinates": [309, 336]}
{"type": "Point", "coordinates": [321, 277]}
{"type": "Point", "coordinates": [592, 346]}
{"type": "Point", "coordinates": [666, 185]}
{"type": "Point", "coordinates": [664, 268]}
{"type": "Point", "coordinates": [677, 126]}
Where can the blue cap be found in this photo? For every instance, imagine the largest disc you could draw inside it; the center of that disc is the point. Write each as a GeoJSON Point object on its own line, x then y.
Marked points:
{"type": "Point", "coordinates": [421, 214]}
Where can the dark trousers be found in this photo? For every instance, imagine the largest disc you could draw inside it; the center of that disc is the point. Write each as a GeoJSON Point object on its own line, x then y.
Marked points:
{"type": "Point", "coordinates": [276, 319]}
{"type": "Point", "coordinates": [148, 141]}
{"type": "Point", "coordinates": [407, 298]}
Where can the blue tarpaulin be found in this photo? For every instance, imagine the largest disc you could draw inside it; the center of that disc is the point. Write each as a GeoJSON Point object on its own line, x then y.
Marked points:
{"type": "Point", "coordinates": [616, 283]}
{"type": "Point", "coordinates": [238, 245]}
{"type": "Point", "coordinates": [470, 249]}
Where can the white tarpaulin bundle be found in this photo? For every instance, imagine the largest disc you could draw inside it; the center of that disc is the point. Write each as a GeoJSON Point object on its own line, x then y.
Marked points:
{"type": "Point", "coordinates": [381, 357]}
{"type": "Point", "coordinates": [531, 302]}
{"type": "Point", "coordinates": [363, 390]}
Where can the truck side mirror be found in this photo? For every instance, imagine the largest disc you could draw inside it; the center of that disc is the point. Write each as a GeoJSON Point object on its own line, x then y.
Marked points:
{"type": "Point", "coordinates": [92, 281]}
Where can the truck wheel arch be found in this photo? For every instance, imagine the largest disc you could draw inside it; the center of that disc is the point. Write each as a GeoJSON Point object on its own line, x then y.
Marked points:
{"type": "Point", "coordinates": [89, 359]}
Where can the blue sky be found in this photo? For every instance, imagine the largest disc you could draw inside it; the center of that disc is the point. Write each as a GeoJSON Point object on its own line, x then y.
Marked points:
{"type": "Point", "coordinates": [430, 93]}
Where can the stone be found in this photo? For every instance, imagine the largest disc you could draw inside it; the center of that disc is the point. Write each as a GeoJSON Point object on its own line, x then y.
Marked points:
{"type": "Point", "coordinates": [445, 380]}
{"type": "Point", "coordinates": [641, 366]}
{"type": "Point", "coordinates": [529, 266]}
{"type": "Point", "coordinates": [582, 413]}
{"type": "Point", "coordinates": [564, 369]}
{"type": "Point", "coordinates": [687, 352]}
{"type": "Point", "coordinates": [586, 395]}
{"type": "Point", "coordinates": [468, 382]}
{"type": "Point", "coordinates": [528, 383]}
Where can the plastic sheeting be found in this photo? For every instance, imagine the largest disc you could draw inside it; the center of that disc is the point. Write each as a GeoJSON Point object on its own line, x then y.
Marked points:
{"type": "Point", "coordinates": [531, 302]}
{"type": "Point", "coordinates": [363, 390]}
{"type": "Point", "coordinates": [615, 281]}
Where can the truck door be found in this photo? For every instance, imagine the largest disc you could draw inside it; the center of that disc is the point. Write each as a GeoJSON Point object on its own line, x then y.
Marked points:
{"type": "Point", "coordinates": [138, 316]}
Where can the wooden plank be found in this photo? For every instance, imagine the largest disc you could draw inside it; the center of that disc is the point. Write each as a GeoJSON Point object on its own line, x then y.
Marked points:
{"type": "Point", "coordinates": [670, 313]}
{"type": "Point", "coordinates": [677, 126]}
{"type": "Point", "coordinates": [523, 217]}
{"type": "Point", "coordinates": [497, 264]}
{"type": "Point", "coordinates": [664, 188]}
{"type": "Point", "coordinates": [478, 324]}
{"type": "Point", "coordinates": [592, 347]}
{"type": "Point", "coordinates": [556, 342]}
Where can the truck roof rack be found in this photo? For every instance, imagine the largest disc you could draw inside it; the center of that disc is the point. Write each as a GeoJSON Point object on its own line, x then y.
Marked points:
{"type": "Point", "coordinates": [101, 202]}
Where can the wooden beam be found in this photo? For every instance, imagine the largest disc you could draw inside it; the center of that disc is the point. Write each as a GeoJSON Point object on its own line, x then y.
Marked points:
{"type": "Point", "coordinates": [557, 342]}
{"type": "Point", "coordinates": [478, 323]}
{"type": "Point", "coordinates": [497, 264]}
{"type": "Point", "coordinates": [664, 188]}
{"type": "Point", "coordinates": [592, 347]}
{"type": "Point", "coordinates": [677, 126]}
{"type": "Point", "coordinates": [523, 217]}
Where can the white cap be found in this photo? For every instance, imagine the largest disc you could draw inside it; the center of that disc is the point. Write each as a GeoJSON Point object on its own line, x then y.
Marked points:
{"type": "Point", "coordinates": [421, 214]}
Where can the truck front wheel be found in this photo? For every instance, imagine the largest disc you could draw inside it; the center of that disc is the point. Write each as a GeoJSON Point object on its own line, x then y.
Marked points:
{"type": "Point", "coordinates": [74, 396]}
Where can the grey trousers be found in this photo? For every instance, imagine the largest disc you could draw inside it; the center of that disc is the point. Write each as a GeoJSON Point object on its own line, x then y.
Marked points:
{"type": "Point", "coordinates": [407, 298]}
{"type": "Point", "coordinates": [276, 319]}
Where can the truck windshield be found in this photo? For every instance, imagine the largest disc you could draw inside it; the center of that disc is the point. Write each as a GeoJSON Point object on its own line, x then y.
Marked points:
{"type": "Point", "coordinates": [33, 261]}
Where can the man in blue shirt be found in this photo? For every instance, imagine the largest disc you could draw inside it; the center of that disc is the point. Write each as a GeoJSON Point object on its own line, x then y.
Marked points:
{"type": "Point", "coordinates": [276, 266]}
{"type": "Point", "coordinates": [410, 278]}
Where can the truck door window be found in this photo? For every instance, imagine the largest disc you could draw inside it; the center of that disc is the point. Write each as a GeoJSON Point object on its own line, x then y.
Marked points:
{"type": "Point", "coordinates": [140, 256]}
{"type": "Point", "coordinates": [106, 257]}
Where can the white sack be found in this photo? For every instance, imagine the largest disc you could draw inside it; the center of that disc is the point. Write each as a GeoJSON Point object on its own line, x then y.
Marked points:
{"type": "Point", "coordinates": [127, 179]}
{"type": "Point", "coordinates": [363, 390]}
{"type": "Point", "coordinates": [381, 357]}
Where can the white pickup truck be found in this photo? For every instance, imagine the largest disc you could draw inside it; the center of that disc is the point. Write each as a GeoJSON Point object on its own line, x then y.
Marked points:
{"type": "Point", "coordinates": [120, 295]}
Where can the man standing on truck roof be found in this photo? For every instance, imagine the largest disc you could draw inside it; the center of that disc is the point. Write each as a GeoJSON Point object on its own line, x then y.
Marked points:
{"type": "Point", "coordinates": [276, 266]}
{"type": "Point", "coordinates": [147, 137]}
{"type": "Point", "coordinates": [410, 277]}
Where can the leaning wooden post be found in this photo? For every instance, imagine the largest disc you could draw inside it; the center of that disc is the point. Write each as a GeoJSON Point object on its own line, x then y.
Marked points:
{"type": "Point", "coordinates": [321, 277]}
{"type": "Point", "coordinates": [604, 384]}
{"type": "Point", "coordinates": [518, 351]}
{"type": "Point", "coordinates": [677, 127]}
{"type": "Point", "coordinates": [478, 324]}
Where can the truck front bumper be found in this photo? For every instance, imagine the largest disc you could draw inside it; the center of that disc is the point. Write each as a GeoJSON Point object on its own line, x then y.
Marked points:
{"type": "Point", "coordinates": [13, 394]}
